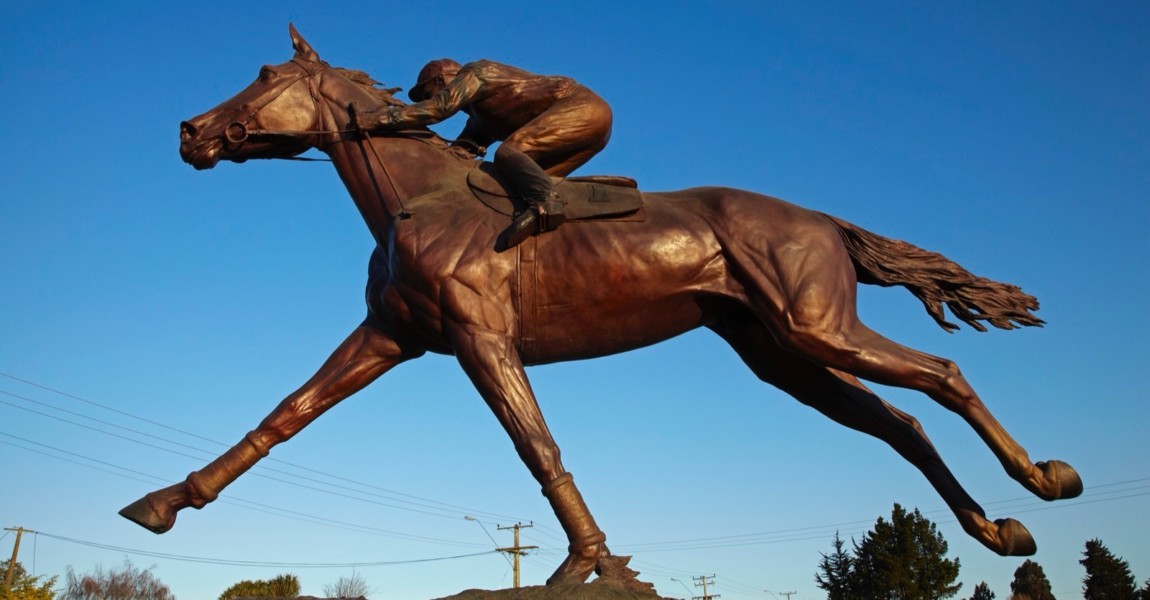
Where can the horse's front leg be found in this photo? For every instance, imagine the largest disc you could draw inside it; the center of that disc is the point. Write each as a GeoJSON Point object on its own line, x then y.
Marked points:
{"type": "Point", "coordinates": [365, 355]}
{"type": "Point", "coordinates": [488, 356]}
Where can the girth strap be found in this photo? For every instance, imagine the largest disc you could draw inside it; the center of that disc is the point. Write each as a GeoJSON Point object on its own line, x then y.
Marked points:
{"type": "Point", "coordinates": [527, 298]}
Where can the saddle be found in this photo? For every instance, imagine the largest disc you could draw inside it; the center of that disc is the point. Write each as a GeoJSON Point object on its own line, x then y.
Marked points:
{"type": "Point", "coordinates": [590, 197]}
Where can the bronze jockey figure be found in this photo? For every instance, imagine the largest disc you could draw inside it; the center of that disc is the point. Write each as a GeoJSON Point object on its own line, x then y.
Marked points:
{"type": "Point", "coordinates": [548, 125]}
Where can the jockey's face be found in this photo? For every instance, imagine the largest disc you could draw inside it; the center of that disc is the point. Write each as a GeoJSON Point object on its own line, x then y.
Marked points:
{"type": "Point", "coordinates": [440, 82]}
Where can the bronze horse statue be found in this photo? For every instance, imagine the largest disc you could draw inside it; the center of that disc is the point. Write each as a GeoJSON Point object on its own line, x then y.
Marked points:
{"type": "Point", "coordinates": [776, 281]}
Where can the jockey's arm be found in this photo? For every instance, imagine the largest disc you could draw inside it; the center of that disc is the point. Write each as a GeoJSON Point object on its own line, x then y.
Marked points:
{"type": "Point", "coordinates": [465, 89]}
{"type": "Point", "coordinates": [474, 137]}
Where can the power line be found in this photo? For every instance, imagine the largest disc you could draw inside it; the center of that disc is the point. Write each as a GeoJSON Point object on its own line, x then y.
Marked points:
{"type": "Point", "coordinates": [256, 472]}
{"type": "Point", "coordinates": [167, 427]}
{"type": "Point", "coordinates": [253, 563]}
{"type": "Point", "coordinates": [228, 499]}
{"type": "Point", "coordinates": [1096, 493]}
{"type": "Point", "coordinates": [769, 537]}
{"type": "Point", "coordinates": [819, 531]}
{"type": "Point", "coordinates": [109, 408]}
{"type": "Point", "coordinates": [420, 504]}
{"type": "Point", "coordinates": [446, 510]}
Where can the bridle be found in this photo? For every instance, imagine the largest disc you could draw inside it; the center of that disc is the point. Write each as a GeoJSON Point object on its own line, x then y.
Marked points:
{"type": "Point", "coordinates": [238, 132]}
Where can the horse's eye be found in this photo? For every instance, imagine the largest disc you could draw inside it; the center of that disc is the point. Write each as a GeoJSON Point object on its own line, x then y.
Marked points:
{"type": "Point", "coordinates": [266, 74]}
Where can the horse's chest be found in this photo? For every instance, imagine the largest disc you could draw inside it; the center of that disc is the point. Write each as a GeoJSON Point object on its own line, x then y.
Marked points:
{"type": "Point", "coordinates": [400, 296]}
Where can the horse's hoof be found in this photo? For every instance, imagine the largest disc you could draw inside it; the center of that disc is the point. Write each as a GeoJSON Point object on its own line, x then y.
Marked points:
{"type": "Point", "coordinates": [614, 572]}
{"type": "Point", "coordinates": [1014, 539]}
{"type": "Point", "coordinates": [1065, 478]}
{"type": "Point", "coordinates": [579, 565]}
{"type": "Point", "coordinates": [142, 513]}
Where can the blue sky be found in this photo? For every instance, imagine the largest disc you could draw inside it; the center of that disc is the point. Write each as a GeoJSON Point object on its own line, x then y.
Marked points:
{"type": "Point", "coordinates": [148, 299]}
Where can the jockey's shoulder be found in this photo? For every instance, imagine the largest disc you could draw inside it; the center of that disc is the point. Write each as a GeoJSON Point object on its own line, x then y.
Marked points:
{"type": "Point", "coordinates": [491, 70]}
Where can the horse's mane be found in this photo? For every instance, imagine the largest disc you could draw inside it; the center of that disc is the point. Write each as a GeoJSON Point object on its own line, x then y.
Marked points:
{"type": "Point", "coordinates": [386, 95]}
{"type": "Point", "coordinates": [373, 87]}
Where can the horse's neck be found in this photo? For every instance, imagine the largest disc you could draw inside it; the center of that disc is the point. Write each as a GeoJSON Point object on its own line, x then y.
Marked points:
{"type": "Point", "coordinates": [385, 174]}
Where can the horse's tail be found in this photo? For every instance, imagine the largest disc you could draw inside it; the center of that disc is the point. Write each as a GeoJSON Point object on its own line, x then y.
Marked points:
{"type": "Point", "coordinates": [936, 280]}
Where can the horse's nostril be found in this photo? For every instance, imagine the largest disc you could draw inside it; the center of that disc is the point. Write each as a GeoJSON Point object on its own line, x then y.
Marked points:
{"type": "Point", "coordinates": [187, 130]}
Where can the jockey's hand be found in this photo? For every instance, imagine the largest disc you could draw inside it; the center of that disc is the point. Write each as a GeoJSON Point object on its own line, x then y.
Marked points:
{"type": "Point", "coordinates": [462, 152]}
{"type": "Point", "coordinates": [468, 149]}
{"type": "Point", "coordinates": [384, 117]}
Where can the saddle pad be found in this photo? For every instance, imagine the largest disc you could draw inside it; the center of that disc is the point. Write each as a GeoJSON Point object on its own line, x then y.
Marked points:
{"type": "Point", "coordinates": [583, 200]}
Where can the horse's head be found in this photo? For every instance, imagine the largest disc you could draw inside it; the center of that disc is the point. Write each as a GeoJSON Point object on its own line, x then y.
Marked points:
{"type": "Point", "coordinates": [271, 118]}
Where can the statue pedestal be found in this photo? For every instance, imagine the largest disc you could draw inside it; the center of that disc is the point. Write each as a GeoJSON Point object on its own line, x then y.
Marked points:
{"type": "Point", "coordinates": [583, 591]}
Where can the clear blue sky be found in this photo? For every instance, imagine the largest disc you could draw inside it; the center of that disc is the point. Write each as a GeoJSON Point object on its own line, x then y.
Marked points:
{"type": "Point", "coordinates": [1011, 138]}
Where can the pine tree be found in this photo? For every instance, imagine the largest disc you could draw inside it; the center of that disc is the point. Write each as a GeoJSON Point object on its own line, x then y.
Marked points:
{"type": "Point", "coordinates": [1030, 582]}
{"type": "Point", "coordinates": [982, 592]}
{"type": "Point", "coordinates": [1144, 593]}
{"type": "Point", "coordinates": [834, 575]}
{"type": "Point", "coordinates": [1108, 577]}
{"type": "Point", "coordinates": [904, 559]}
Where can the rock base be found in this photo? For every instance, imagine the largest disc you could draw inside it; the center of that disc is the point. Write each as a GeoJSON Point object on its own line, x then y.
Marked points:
{"type": "Point", "coordinates": [583, 591]}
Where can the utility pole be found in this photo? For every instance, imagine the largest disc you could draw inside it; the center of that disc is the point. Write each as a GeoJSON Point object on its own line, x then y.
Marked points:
{"type": "Point", "coordinates": [12, 563]}
{"type": "Point", "coordinates": [516, 550]}
{"type": "Point", "coordinates": [788, 594]}
{"type": "Point", "coordinates": [701, 581]}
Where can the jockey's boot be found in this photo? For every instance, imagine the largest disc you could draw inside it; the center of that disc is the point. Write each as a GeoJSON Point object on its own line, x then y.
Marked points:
{"type": "Point", "coordinates": [543, 215]}
{"type": "Point", "coordinates": [545, 211]}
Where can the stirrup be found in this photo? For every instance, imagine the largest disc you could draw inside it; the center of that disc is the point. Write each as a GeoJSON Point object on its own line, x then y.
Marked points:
{"type": "Point", "coordinates": [523, 227]}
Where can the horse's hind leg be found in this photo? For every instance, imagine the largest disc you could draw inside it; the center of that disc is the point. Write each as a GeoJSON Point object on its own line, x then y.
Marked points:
{"type": "Point", "coordinates": [365, 355]}
{"type": "Point", "coordinates": [809, 305]}
{"type": "Point", "coordinates": [847, 401]}
{"type": "Point", "coordinates": [858, 350]}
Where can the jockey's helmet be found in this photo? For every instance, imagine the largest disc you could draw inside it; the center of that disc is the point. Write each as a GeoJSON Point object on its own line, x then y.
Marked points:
{"type": "Point", "coordinates": [436, 73]}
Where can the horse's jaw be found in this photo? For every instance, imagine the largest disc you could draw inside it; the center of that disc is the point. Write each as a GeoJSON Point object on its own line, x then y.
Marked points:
{"type": "Point", "coordinates": [206, 154]}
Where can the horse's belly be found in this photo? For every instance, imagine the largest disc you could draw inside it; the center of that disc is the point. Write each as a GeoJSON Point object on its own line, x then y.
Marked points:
{"type": "Point", "coordinates": [590, 293]}
{"type": "Point", "coordinates": [573, 332]}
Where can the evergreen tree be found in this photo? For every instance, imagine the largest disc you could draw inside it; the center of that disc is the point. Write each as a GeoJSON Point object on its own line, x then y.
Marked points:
{"type": "Point", "coordinates": [1030, 582]}
{"type": "Point", "coordinates": [25, 586]}
{"type": "Point", "coordinates": [982, 592]}
{"type": "Point", "coordinates": [1108, 577]}
{"type": "Point", "coordinates": [903, 559]}
{"type": "Point", "coordinates": [834, 574]}
{"type": "Point", "coordinates": [1144, 593]}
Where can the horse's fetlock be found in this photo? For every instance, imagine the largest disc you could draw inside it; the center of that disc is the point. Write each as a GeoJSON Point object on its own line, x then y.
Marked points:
{"type": "Point", "coordinates": [259, 442]}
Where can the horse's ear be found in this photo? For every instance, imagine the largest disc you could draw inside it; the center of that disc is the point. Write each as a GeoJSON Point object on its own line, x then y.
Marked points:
{"type": "Point", "coordinates": [303, 50]}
